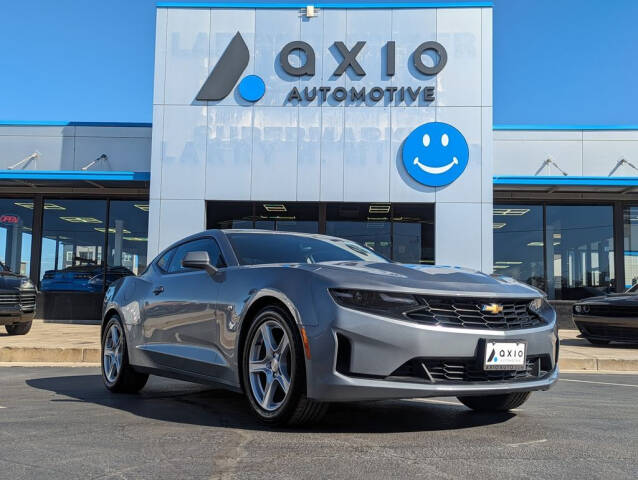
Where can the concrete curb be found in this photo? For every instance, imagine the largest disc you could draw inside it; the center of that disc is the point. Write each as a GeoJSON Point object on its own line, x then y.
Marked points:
{"type": "Point", "coordinates": [49, 355]}
{"type": "Point", "coordinates": [598, 364]}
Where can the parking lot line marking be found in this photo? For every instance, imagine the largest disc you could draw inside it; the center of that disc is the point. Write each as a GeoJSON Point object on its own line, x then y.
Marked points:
{"type": "Point", "coordinates": [599, 383]}
{"type": "Point", "coordinates": [2, 406]}
{"type": "Point", "coordinates": [532, 442]}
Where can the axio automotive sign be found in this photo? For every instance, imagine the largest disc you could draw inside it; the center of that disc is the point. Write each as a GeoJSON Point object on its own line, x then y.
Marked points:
{"type": "Point", "coordinates": [434, 154]}
{"type": "Point", "coordinates": [235, 59]}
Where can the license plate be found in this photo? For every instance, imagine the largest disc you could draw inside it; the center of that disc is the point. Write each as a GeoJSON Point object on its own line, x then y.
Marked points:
{"type": "Point", "coordinates": [505, 355]}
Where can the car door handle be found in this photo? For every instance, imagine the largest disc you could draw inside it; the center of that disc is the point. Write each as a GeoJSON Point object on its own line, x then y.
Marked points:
{"type": "Point", "coordinates": [158, 290]}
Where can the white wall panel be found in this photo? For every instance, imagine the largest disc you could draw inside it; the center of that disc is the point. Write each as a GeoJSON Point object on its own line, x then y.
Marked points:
{"type": "Point", "coordinates": [123, 154]}
{"type": "Point", "coordinates": [229, 153]}
{"type": "Point", "coordinates": [160, 55]}
{"type": "Point", "coordinates": [515, 157]}
{"type": "Point", "coordinates": [179, 219]}
{"type": "Point", "coordinates": [487, 155]}
{"type": "Point", "coordinates": [184, 153]}
{"type": "Point", "coordinates": [186, 54]}
{"type": "Point", "coordinates": [366, 155]}
{"type": "Point", "coordinates": [274, 166]}
{"type": "Point", "coordinates": [486, 57]}
{"type": "Point", "coordinates": [458, 234]}
{"type": "Point", "coordinates": [600, 158]}
{"type": "Point", "coordinates": [309, 154]}
{"type": "Point", "coordinates": [54, 153]}
{"type": "Point", "coordinates": [459, 31]}
{"type": "Point", "coordinates": [157, 147]}
{"type": "Point", "coordinates": [332, 148]}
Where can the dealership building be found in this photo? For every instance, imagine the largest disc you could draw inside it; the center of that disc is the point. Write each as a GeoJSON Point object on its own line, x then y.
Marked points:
{"type": "Point", "coordinates": [370, 122]}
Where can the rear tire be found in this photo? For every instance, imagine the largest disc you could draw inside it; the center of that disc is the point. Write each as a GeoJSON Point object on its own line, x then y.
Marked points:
{"type": "Point", "coordinates": [495, 403]}
{"type": "Point", "coordinates": [593, 341]}
{"type": "Point", "coordinates": [277, 362]}
{"type": "Point", "coordinates": [19, 328]}
{"type": "Point", "coordinates": [117, 373]}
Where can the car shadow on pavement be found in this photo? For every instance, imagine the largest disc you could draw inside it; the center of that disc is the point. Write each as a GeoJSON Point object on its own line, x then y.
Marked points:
{"type": "Point", "coordinates": [181, 402]}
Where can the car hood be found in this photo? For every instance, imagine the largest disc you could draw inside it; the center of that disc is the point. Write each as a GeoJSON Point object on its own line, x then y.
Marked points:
{"type": "Point", "coordinates": [420, 279]}
{"type": "Point", "coordinates": [614, 299]}
{"type": "Point", "coordinates": [10, 281]}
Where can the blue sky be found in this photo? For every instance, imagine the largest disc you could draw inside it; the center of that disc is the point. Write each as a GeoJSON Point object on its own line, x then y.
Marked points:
{"type": "Point", "coordinates": [560, 62]}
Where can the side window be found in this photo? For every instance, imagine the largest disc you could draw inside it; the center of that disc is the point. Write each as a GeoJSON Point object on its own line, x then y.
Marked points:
{"type": "Point", "coordinates": [204, 244]}
{"type": "Point", "coordinates": [164, 261]}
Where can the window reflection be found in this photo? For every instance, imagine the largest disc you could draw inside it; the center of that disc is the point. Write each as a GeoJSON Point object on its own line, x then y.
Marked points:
{"type": "Point", "coordinates": [128, 232]}
{"type": "Point", "coordinates": [73, 245]}
{"type": "Point", "coordinates": [630, 215]}
{"type": "Point", "coordinates": [16, 222]}
{"type": "Point", "coordinates": [580, 246]}
{"type": "Point", "coordinates": [518, 243]}
{"type": "Point", "coordinates": [367, 224]}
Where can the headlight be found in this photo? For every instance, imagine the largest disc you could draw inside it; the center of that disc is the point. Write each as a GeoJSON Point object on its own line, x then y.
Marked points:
{"type": "Point", "coordinates": [536, 305]}
{"type": "Point", "coordinates": [383, 303]}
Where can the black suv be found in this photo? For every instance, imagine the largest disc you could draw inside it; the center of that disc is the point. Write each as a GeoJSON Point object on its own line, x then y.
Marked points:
{"type": "Point", "coordinates": [17, 302]}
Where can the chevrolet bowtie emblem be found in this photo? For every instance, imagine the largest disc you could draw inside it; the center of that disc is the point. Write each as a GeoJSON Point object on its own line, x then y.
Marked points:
{"type": "Point", "coordinates": [493, 308]}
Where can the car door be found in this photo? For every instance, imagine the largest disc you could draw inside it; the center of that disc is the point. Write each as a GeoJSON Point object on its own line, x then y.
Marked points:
{"type": "Point", "coordinates": [180, 326]}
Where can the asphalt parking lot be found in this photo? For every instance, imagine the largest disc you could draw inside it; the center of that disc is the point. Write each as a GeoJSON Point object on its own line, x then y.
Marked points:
{"type": "Point", "coordinates": [61, 423]}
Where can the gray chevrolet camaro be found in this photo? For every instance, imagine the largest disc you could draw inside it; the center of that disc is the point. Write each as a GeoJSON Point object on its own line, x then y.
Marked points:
{"type": "Point", "coordinates": [296, 321]}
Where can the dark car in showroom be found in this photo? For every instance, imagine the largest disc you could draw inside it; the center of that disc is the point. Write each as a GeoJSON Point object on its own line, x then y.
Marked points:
{"type": "Point", "coordinates": [17, 301]}
{"type": "Point", "coordinates": [608, 318]}
{"type": "Point", "coordinates": [82, 278]}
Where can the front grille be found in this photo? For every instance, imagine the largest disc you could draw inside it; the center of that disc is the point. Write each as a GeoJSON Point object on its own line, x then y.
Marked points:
{"type": "Point", "coordinates": [9, 299]}
{"type": "Point", "coordinates": [466, 370]}
{"type": "Point", "coordinates": [27, 301]}
{"type": "Point", "coordinates": [612, 310]}
{"type": "Point", "coordinates": [466, 313]}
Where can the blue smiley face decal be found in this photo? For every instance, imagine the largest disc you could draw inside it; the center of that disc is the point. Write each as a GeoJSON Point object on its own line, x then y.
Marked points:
{"type": "Point", "coordinates": [435, 154]}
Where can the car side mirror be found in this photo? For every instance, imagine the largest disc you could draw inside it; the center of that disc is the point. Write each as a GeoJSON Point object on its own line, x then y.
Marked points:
{"type": "Point", "coordinates": [198, 260]}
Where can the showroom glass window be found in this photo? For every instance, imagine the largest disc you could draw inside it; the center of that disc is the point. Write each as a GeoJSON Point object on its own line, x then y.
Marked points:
{"type": "Point", "coordinates": [289, 217]}
{"type": "Point", "coordinates": [401, 232]}
{"type": "Point", "coordinates": [413, 233]}
{"type": "Point", "coordinates": [73, 235]}
{"type": "Point", "coordinates": [283, 216]}
{"type": "Point", "coordinates": [16, 223]}
{"type": "Point", "coordinates": [518, 243]}
{"type": "Point", "coordinates": [364, 223]}
{"type": "Point", "coordinates": [128, 238]}
{"type": "Point", "coordinates": [630, 216]}
{"type": "Point", "coordinates": [580, 250]}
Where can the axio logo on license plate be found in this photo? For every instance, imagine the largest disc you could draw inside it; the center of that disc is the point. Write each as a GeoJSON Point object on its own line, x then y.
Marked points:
{"type": "Point", "coordinates": [504, 355]}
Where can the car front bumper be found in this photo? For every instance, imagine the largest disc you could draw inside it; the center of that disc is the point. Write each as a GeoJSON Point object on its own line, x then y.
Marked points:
{"type": "Point", "coordinates": [622, 329]}
{"type": "Point", "coordinates": [378, 346]}
{"type": "Point", "coordinates": [9, 316]}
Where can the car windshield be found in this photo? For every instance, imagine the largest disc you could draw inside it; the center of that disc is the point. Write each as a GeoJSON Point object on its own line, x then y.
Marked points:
{"type": "Point", "coordinates": [264, 248]}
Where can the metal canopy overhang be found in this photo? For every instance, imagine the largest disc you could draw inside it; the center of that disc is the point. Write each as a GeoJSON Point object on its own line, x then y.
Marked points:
{"type": "Point", "coordinates": [74, 181]}
{"type": "Point", "coordinates": [611, 188]}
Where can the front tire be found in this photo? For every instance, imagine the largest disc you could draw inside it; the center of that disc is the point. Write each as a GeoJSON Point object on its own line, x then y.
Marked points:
{"type": "Point", "coordinates": [273, 371]}
{"type": "Point", "coordinates": [19, 328]}
{"type": "Point", "coordinates": [495, 403]}
{"type": "Point", "coordinates": [117, 374]}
